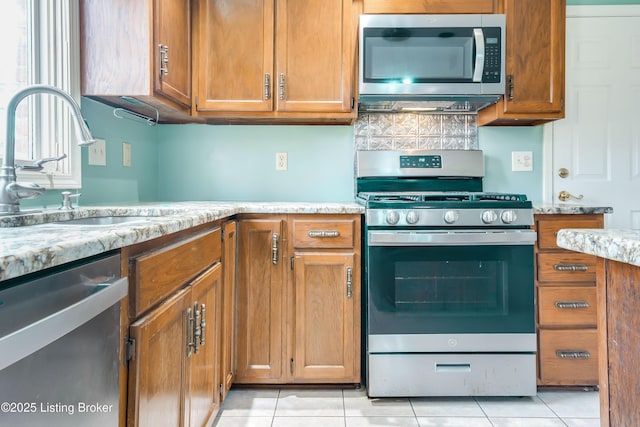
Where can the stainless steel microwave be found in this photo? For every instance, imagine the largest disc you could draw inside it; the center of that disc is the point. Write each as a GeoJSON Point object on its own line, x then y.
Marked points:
{"type": "Point", "coordinates": [427, 57]}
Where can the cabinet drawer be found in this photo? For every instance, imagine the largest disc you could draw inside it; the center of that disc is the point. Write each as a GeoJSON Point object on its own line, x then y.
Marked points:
{"type": "Point", "coordinates": [569, 355]}
{"type": "Point", "coordinates": [154, 275]}
{"type": "Point", "coordinates": [567, 305]}
{"type": "Point", "coordinates": [548, 229]}
{"type": "Point", "coordinates": [566, 267]}
{"type": "Point", "coordinates": [319, 233]}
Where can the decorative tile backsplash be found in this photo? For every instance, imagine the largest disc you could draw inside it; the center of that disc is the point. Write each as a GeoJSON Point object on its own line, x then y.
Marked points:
{"type": "Point", "coordinates": [382, 131]}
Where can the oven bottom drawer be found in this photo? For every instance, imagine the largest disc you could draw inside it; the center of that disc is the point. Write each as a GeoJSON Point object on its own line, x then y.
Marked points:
{"type": "Point", "coordinates": [415, 375]}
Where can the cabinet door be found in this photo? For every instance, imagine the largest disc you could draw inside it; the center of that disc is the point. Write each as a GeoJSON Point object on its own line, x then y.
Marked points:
{"type": "Point", "coordinates": [535, 55]}
{"type": "Point", "coordinates": [314, 55]}
{"type": "Point", "coordinates": [260, 300]}
{"type": "Point", "coordinates": [172, 31]}
{"type": "Point", "coordinates": [156, 373]}
{"type": "Point", "coordinates": [235, 55]}
{"type": "Point", "coordinates": [204, 360]}
{"type": "Point", "coordinates": [228, 366]}
{"type": "Point", "coordinates": [535, 64]}
{"type": "Point", "coordinates": [327, 301]}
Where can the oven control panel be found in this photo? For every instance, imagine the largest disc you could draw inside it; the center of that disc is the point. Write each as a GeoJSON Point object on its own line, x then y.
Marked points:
{"type": "Point", "coordinates": [422, 162]}
{"type": "Point", "coordinates": [449, 217]}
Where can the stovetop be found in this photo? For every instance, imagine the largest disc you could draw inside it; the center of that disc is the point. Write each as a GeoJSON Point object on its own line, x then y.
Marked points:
{"type": "Point", "coordinates": [427, 188]}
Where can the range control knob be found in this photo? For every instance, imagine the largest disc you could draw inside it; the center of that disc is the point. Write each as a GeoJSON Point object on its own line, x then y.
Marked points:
{"type": "Point", "coordinates": [412, 217]}
{"type": "Point", "coordinates": [489, 216]}
{"type": "Point", "coordinates": [393, 217]}
{"type": "Point", "coordinates": [451, 216]}
{"type": "Point", "coordinates": [508, 216]}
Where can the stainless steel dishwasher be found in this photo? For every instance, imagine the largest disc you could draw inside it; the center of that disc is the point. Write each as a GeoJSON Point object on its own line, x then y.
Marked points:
{"type": "Point", "coordinates": [60, 345]}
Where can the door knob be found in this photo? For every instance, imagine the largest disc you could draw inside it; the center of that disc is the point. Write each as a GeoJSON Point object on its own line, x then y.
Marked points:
{"type": "Point", "coordinates": [563, 172]}
{"type": "Point", "coordinates": [565, 195]}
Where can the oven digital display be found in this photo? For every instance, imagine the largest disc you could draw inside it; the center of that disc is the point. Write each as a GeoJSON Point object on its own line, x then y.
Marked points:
{"type": "Point", "coordinates": [424, 162]}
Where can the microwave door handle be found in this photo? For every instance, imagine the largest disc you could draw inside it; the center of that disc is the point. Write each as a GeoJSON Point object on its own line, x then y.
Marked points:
{"type": "Point", "coordinates": [478, 35]}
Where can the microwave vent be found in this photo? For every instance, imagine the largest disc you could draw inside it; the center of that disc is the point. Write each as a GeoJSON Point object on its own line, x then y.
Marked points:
{"type": "Point", "coordinates": [468, 105]}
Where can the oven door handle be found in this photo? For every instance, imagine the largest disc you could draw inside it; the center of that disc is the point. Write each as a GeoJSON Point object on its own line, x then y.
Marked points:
{"type": "Point", "coordinates": [451, 238]}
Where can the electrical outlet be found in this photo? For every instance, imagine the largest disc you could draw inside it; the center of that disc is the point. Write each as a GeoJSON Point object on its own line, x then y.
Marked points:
{"type": "Point", "coordinates": [98, 153]}
{"type": "Point", "coordinates": [126, 154]}
{"type": "Point", "coordinates": [521, 161]}
{"type": "Point", "coordinates": [282, 161]}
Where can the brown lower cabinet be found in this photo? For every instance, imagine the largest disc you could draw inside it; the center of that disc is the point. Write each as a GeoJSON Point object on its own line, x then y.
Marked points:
{"type": "Point", "coordinates": [566, 285]}
{"type": "Point", "coordinates": [174, 336]}
{"type": "Point", "coordinates": [298, 299]}
{"type": "Point", "coordinates": [619, 323]}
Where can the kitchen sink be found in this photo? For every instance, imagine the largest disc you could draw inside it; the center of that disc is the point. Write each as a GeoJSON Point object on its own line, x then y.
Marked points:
{"type": "Point", "coordinates": [103, 220]}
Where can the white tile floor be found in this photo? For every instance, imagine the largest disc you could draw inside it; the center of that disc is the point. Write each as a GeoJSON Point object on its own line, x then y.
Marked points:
{"type": "Point", "coordinates": [352, 408]}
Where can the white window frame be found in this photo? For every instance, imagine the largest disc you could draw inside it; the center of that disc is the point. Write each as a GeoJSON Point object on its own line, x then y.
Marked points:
{"type": "Point", "coordinates": [56, 59]}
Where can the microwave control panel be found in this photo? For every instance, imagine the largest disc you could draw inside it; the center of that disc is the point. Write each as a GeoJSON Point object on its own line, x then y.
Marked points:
{"type": "Point", "coordinates": [492, 55]}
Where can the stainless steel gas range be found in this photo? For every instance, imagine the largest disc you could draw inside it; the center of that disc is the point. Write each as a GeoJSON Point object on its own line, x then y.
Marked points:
{"type": "Point", "coordinates": [449, 278]}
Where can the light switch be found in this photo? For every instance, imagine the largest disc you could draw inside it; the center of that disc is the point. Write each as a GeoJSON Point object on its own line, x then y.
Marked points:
{"type": "Point", "coordinates": [98, 153]}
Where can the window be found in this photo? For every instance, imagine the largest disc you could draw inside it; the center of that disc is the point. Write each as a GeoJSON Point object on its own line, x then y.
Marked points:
{"type": "Point", "coordinates": [41, 41]}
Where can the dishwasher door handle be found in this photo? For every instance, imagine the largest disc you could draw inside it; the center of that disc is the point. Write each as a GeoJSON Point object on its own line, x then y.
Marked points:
{"type": "Point", "coordinates": [31, 338]}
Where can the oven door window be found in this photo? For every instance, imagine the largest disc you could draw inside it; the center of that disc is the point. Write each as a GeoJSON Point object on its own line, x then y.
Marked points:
{"type": "Point", "coordinates": [451, 289]}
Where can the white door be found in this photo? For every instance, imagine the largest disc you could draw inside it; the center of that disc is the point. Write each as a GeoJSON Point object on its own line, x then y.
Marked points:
{"type": "Point", "coordinates": [597, 145]}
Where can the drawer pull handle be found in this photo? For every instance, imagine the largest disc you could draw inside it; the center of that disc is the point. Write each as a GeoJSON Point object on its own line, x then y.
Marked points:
{"type": "Point", "coordinates": [282, 86]}
{"type": "Point", "coordinates": [275, 248]}
{"type": "Point", "coordinates": [267, 86]}
{"type": "Point", "coordinates": [314, 234]}
{"type": "Point", "coordinates": [570, 267]}
{"type": "Point", "coordinates": [572, 354]}
{"type": "Point", "coordinates": [572, 304]}
{"type": "Point", "coordinates": [203, 323]}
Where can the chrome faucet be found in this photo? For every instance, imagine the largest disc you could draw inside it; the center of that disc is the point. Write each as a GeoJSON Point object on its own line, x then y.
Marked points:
{"type": "Point", "coordinates": [10, 190]}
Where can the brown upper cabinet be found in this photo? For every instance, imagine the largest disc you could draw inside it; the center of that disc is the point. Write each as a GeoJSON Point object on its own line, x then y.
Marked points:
{"type": "Point", "coordinates": [138, 51]}
{"type": "Point", "coordinates": [535, 65]}
{"type": "Point", "coordinates": [274, 59]}
{"type": "Point", "coordinates": [431, 6]}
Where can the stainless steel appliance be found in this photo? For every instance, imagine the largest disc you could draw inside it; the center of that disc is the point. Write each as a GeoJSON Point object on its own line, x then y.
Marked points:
{"type": "Point", "coordinates": [449, 278]}
{"type": "Point", "coordinates": [431, 62]}
{"type": "Point", "coordinates": [60, 345]}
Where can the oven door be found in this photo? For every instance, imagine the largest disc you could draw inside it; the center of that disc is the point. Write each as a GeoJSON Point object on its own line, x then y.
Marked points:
{"type": "Point", "coordinates": [469, 290]}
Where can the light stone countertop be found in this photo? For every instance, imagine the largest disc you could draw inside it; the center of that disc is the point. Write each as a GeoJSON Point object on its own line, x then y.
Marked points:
{"type": "Point", "coordinates": [39, 244]}
{"type": "Point", "coordinates": [567, 208]}
{"type": "Point", "coordinates": [621, 245]}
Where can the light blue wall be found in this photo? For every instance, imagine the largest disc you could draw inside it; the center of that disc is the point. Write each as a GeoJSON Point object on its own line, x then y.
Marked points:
{"type": "Point", "coordinates": [200, 162]}
{"type": "Point", "coordinates": [497, 143]}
